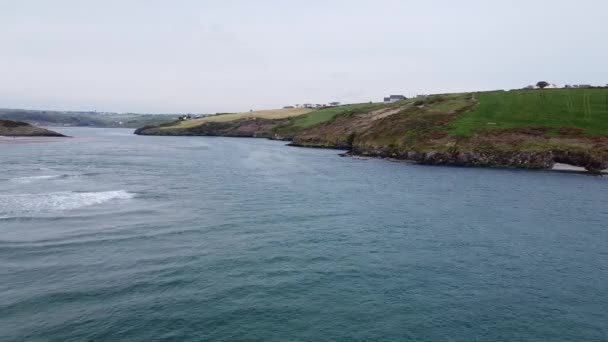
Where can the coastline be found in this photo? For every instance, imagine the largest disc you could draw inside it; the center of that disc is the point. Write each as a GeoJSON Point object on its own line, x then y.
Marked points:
{"type": "Point", "coordinates": [448, 130]}
{"type": "Point", "coordinates": [520, 160]}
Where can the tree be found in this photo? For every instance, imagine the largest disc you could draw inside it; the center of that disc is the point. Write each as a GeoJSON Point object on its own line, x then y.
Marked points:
{"type": "Point", "coordinates": [542, 84]}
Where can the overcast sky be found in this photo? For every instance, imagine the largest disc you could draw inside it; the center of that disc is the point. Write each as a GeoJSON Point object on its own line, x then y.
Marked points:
{"type": "Point", "coordinates": [206, 56]}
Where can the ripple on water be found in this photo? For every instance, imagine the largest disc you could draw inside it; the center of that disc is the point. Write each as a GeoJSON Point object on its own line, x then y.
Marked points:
{"type": "Point", "coordinates": [148, 238]}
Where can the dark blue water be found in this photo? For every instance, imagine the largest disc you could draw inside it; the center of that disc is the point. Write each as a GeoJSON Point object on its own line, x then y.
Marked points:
{"type": "Point", "coordinates": [114, 237]}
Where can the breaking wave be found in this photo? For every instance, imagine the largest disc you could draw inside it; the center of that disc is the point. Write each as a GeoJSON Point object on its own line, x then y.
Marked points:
{"type": "Point", "coordinates": [32, 179]}
{"type": "Point", "coordinates": [19, 205]}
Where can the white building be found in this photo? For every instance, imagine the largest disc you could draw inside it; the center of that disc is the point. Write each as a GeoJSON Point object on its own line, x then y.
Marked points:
{"type": "Point", "coordinates": [394, 98]}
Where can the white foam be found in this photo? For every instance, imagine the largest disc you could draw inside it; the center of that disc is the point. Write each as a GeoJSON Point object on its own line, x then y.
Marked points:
{"type": "Point", "coordinates": [31, 179]}
{"type": "Point", "coordinates": [17, 205]}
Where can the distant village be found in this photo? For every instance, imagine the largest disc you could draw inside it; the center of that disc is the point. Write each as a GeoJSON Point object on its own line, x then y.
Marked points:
{"type": "Point", "coordinates": [314, 106]}
{"type": "Point", "coordinates": [388, 99]}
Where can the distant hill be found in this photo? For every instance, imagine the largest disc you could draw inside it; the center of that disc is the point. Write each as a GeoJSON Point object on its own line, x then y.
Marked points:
{"type": "Point", "coordinates": [522, 129]}
{"type": "Point", "coordinates": [22, 129]}
{"type": "Point", "coordinates": [84, 119]}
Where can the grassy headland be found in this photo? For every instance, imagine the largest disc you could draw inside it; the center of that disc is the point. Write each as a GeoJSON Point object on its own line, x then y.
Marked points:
{"type": "Point", "coordinates": [10, 128]}
{"type": "Point", "coordinates": [299, 124]}
{"type": "Point", "coordinates": [523, 128]}
{"type": "Point", "coordinates": [273, 114]}
{"type": "Point", "coordinates": [247, 124]}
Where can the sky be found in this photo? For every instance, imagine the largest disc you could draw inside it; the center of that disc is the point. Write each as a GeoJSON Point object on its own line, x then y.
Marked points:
{"type": "Point", "coordinates": [205, 56]}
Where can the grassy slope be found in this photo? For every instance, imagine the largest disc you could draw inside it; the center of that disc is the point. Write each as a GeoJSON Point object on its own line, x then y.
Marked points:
{"type": "Point", "coordinates": [504, 129]}
{"type": "Point", "coordinates": [325, 115]}
{"type": "Point", "coordinates": [417, 124]}
{"type": "Point", "coordinates": [263, 114]}
{"type": "Point", "coordinates": [287, 122]}
{"type": "Point", "coordinates": [17, 128]}
{"type": "Point", "coordinates": [585, 109]}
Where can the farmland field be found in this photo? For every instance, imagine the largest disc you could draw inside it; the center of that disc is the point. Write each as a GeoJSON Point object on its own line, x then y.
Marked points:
{"type": "Point", "coordinates": [584, 109]}
{"type": "Point", "coordinates": [327, 114]}
{"type": "Point", "coordinates": [263, 114]}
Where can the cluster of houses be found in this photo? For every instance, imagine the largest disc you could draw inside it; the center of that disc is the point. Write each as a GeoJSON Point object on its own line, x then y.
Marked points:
{"type": "Point", "coordinates": [388, 99]}
{"type": "Point", "coordinates": [394, 98]}
{"type": "Point", "coordinates": [397, 98]}
{"type": "Point", "coordinates": [314, 106]}
{"type": "Point", "coordinates": [187, 117]}
{"type": "Point", "coordinates": [581, 86]}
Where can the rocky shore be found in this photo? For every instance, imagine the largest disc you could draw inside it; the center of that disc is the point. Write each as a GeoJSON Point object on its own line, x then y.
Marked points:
{"type": "Point", "coordinates": [523, 160]}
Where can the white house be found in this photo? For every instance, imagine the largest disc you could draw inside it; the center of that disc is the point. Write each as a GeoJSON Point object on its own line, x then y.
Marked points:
{"type": "Point", "coordinates": [394, 98]}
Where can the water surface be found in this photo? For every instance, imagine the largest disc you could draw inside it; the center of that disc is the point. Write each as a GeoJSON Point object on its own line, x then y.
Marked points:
{"type": "Point", "coordinates": [109, 236]}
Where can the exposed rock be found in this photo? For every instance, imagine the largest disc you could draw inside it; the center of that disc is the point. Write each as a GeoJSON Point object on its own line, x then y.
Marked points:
{"type": "Point", "coordinates": [593, 162]}
{"type": "Point", "coordinates": [495, 158]}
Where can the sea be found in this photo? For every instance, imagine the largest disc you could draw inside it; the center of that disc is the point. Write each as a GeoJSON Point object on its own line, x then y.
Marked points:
{"type": "Point", "coordinates": [109, 236]}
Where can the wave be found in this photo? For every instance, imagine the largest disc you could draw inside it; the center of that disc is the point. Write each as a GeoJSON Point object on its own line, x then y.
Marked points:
{"type": "Point", "coordinates": [31, 179]}
{"type": "Point", "coordinates": [20, 205]}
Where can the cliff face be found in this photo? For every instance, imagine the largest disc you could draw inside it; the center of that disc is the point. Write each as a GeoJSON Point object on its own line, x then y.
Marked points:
{"type": "Point", "coordinates": [21, 129]}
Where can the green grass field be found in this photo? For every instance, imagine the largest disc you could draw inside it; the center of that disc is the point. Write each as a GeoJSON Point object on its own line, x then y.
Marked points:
{"type": "Point", "coordinates": [585, 109]}
{"type": "Point", "coordinates": [327, 114]}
